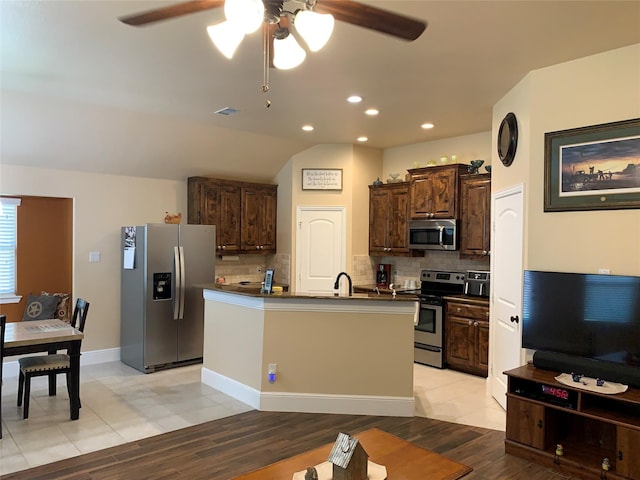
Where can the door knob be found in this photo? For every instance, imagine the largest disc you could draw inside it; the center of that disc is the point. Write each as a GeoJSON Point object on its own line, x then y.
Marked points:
{"type": "Point", "coordinates": [515, 319]}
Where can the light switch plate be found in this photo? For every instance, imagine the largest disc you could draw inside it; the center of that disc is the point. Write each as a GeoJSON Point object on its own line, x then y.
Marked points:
{"type": "Point", "coordinates": [94, 257]}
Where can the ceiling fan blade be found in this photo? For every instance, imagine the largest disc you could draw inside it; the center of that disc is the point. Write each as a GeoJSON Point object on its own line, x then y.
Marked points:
{"type": "Point", "coordinates": [171, 11]}
{"type": "Point", "coordinates": [373, 18]}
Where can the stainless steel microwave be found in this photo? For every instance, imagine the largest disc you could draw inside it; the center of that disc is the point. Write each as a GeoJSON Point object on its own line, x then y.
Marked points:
{"type": "Point", "coordinates": [433, 235]}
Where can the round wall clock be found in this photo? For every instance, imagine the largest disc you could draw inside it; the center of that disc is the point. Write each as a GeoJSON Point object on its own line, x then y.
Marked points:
{"type": "Point", "coordinates": [508, 139]}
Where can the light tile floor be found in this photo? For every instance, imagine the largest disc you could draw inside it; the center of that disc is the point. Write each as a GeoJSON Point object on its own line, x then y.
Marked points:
{"type": "Point", "coordinates": [120, 404]}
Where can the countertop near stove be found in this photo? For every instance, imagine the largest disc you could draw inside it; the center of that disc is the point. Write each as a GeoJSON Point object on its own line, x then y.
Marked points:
{"type": "Point", "coordinates": [372, 289]}
{"type": "Point", "coordinates": [326, 350]}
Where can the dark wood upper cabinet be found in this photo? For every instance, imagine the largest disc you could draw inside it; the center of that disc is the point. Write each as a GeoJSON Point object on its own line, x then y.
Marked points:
{"type": "Point", "coordinates": [244, 213]}
{"type": "Point", "coordinates": [388, 219]}
{"type": "Point", "coordinates": [434, 191]}
{"type": "Point", "coordinates": [258, 230]}
{"type": "Point", "coordinates": [475, 224]}
{"type": "Point", "coordinates": [229, 233]}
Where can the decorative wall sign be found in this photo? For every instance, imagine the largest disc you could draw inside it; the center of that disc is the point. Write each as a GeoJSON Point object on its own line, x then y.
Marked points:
{"type": "Point", "coordinates": [322, 179]}
{"type": "Point", "coordinates": [593, 168]}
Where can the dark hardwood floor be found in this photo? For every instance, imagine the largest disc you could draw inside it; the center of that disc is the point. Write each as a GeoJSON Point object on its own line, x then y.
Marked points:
{"type": "Point", "coordinates": [228, 447]}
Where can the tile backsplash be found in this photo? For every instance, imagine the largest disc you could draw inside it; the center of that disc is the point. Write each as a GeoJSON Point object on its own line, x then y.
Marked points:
{"type": "Point", "coordinates": [408, 268]}
{"type": "Point", "coordinates": [362, 269]}
{"type": "Point", "coordinates": [251, 268]}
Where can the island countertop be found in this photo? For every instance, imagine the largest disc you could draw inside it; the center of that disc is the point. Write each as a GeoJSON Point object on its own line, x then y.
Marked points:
{"type": "Point", "coordinates": [253, 290]}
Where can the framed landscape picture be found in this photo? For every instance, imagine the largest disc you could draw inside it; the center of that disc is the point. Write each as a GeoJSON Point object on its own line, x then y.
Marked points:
{"type": "Point", "coordinates": [593, 168]}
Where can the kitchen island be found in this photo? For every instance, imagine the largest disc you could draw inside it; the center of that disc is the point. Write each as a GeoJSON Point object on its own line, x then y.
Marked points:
{"type": "Point", "coordinates": [332, 354]}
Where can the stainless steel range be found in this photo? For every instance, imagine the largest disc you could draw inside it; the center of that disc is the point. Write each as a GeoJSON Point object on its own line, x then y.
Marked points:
{"type": "Point", "coordinates": [429, 330]}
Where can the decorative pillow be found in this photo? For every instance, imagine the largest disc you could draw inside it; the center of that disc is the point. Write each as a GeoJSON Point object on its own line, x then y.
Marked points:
{"type": "Point", "coordinates": [62, 310]}
{"type": "Point", "coordinates": [40, 307]}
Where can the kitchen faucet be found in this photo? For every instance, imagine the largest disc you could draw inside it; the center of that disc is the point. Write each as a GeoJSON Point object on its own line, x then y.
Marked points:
{"type": "Point", "coordinates": [336, 285]}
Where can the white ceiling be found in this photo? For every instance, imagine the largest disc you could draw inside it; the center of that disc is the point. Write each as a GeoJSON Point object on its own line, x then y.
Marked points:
{"type": "Point", "coordinates": [81, 90]}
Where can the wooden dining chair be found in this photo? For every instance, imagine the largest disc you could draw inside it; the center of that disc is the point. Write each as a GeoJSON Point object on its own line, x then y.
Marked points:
{"type": "Point", "coordinates": [49, 365]}
{"type": "Point", "coordinates": [3, 324]}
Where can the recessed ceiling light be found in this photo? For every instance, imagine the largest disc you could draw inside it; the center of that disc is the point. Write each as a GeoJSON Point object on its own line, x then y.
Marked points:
{"type": "Point", "coordinates": [427, 126]}
{"type": "Point", "coordinates": [362, 139]}
{"type": "Point", "coordinates": [354, 99]}
{"type": "Point", "coordinates": [307, 128]}
{"type": "Point", "coordinates": [372, 111]}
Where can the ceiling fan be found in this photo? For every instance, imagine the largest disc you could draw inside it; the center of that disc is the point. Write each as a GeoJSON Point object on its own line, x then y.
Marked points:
{"type": "Point", "coordinates": [280, 22]}
{"type": "Point", "coordinates": [284, 28]}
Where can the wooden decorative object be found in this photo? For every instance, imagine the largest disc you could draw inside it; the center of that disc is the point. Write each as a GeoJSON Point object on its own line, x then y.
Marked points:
{"type": "Point", "coordinates": [348, 458]}
{"type": "Point", "coordinates": [168, 218]}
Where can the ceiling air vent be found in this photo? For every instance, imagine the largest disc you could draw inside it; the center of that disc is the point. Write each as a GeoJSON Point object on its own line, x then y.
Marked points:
{"type": "Point", "coordinates": [227, 111]}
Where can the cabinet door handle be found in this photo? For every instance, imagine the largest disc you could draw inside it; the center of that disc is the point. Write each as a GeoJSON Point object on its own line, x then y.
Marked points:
{"type": "Point", "coordinates": [458, 309]}
{"type": "Point", "coordinates": [619, 454]}
{"type": "Point", "coordinates": [515, 319]}
{"type": "Point", "coordinates": [539, 423]}
{"type": "Point", "coordinates": [470, 322]}
{"type": "Point", "coordinates": [475, 324]}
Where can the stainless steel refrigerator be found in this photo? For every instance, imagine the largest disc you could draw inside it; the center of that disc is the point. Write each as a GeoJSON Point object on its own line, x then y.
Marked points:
{"type": "Point", "coordinates": [161, 309]}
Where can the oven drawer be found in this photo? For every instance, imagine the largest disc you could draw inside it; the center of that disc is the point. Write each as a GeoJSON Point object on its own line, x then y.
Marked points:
{"type": "Point", "coordinates": [467, 311]}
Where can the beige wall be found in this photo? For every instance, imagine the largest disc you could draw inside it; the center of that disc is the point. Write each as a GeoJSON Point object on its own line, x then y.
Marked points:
{"type": "Point", "coordinates": [233, 339]}
{"type": "Point", "coordinates": [352, 354]}
{"type": "Point", "coordinates": [360, 167]}
{"type": "Point", "coordinates": [465, 148]}
{"type": "Point", "coordinates": [102, 204]}
{"type": "Point", "coordinates": [597, 89]}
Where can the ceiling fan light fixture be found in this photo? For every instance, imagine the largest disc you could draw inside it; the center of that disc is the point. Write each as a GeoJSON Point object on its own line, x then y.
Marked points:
{"type": "Point", "coordinates": [314, 28]}
{"type": "Point", "coordinates": [287, 53]}
{"type": "Point", "coordinates": [226, 37]}
{"type": "Point", "coordinates": [247, 15]}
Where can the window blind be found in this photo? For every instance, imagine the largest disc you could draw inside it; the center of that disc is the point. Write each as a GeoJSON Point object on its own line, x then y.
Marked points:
{"type": "Point", "coordinates": [8, 245]}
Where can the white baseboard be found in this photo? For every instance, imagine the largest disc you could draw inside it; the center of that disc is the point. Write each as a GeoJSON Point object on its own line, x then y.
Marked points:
{"type": "Point", "coordinates": [94, 357]}
{"type": "Point", "coordinates": [233, 388]}
{"type": "Point", "coordinates": [310, 402]}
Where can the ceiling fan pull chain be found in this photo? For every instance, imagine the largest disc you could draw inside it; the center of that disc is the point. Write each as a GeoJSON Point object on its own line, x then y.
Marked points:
{"type": "Point", "coordinates": [265, 66]}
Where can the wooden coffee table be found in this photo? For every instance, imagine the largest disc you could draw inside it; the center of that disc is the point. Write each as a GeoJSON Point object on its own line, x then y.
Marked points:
{"type": "Point", "coordinates": [403, 460]}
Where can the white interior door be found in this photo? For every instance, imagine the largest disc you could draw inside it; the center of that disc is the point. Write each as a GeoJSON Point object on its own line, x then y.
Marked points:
{"type": "Point", "coordinates": [320, 247]}
{"type": "Point", "coordinates": [506, 287]}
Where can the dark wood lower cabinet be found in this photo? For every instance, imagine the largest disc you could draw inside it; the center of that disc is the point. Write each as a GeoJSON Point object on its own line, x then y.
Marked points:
{"type": "Point", "coordinates": [467, 335]}
{"type": "Point", "coordinates": [543, 413]}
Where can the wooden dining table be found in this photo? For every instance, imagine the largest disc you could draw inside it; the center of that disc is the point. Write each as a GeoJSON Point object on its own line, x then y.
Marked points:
{"type": "Point", "coordinates": [35, 336]}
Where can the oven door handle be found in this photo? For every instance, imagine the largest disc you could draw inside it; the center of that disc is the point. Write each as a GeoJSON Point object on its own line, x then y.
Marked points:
{"type": "Point", "coordinates": [441, 236]}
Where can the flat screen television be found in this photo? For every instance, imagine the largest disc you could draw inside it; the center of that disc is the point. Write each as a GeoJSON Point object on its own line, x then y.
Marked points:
{"type": "Point", "coordinates": [592, 316]}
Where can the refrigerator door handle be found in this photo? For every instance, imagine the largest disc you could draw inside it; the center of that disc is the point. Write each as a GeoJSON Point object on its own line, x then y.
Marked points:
{"type": "Point", "coordinates": [182, 282]}
{"type": "Point", "coordinates": [176, 269]}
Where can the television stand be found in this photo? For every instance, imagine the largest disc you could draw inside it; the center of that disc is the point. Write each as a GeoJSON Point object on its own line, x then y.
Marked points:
{"type": "Point", "coordinates": [542, 413]}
